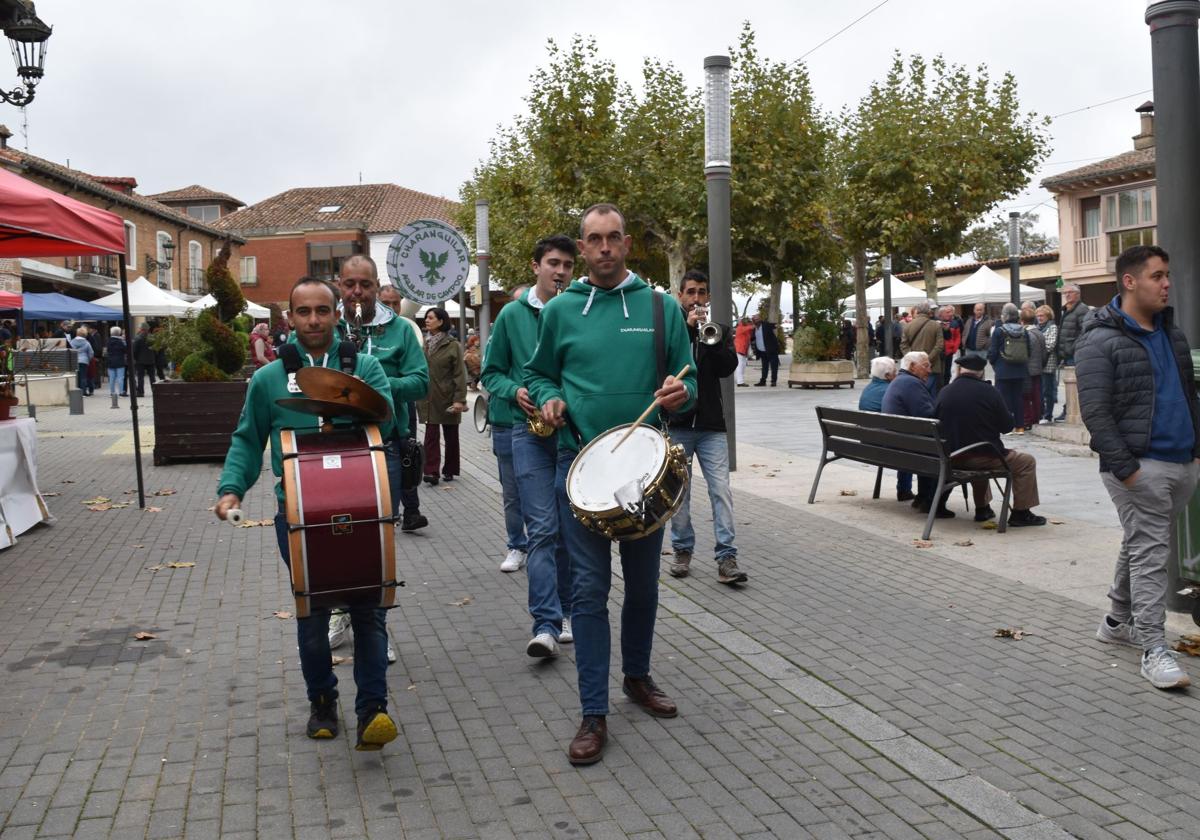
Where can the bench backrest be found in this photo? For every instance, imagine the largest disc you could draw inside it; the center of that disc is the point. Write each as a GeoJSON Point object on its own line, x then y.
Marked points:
{"type": "Point", "coordinates": [890, 440]}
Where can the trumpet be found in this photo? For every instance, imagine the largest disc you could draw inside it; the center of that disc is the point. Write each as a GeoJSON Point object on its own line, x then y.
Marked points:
{"type": "Point", "coordinates": [709, 332]}
{"type": "Point", "coordinates": [538, 426]}
{"type": "Point", "coordinates": [356, 326]}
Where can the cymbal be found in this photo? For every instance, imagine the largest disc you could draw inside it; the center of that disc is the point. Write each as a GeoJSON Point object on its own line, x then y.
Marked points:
{"type": "Point", "coordinates": [334, 386]}
{"type": "Point", "coordinates": [327, 408]}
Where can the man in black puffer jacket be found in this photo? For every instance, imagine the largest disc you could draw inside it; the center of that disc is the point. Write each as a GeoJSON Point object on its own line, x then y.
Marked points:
{"type": "Point", "coordinates": [1138, 400]}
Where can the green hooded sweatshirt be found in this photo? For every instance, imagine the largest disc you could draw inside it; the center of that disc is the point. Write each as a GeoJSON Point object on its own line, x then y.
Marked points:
{"type": "Point", "coordinates": [394, 343]}
{"type": "Point", "coordinates": [514, 336]}
{"type": "Point", "coordinates": [262, 420]}
{"type": "Point", "coordinates": [596, 353]}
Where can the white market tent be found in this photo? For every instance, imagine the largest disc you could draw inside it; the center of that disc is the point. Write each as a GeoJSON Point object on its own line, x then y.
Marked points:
{"type": "Point", "coordinates": [146, 299]}
{"type": "Point", "coordinates": [986, 286]}
{"type": "Point", "coordinates": [252, 309]}
{"type": "Point", "coordinates": [902, 295]}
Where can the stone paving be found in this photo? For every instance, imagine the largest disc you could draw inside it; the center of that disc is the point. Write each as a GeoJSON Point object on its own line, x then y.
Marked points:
{"type": "Point", "coordinates": [853, 689]}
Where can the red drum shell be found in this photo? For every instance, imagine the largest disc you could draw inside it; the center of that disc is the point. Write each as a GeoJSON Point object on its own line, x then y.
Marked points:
{"type": "Point", "coordinates": [336, 486]}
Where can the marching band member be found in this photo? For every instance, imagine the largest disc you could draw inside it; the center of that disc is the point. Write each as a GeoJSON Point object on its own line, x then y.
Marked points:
{"type": "Point", "coordinates": [595, 367]}
{"type": "Point", "coordinates": [313, 315]}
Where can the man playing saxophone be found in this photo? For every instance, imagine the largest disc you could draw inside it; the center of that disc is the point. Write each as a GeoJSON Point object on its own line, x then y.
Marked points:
{"type": "Point", "coordinates": [526, 451]}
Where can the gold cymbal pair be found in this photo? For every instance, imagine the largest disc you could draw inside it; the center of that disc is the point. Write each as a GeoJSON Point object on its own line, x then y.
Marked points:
{"type": "Point", "coordinates": [331, 393]}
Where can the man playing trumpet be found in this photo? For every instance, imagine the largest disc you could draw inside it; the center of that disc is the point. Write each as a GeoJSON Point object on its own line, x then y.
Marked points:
{"type": "Point", "coordinates": [595, 367]}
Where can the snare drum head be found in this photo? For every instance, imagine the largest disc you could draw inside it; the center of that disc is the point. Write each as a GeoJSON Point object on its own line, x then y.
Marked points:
{"type": "Point", "coordinates": [598, 471]}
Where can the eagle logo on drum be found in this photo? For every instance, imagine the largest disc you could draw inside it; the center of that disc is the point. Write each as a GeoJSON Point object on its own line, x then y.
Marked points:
{"type": "Point", "coordinates": [433, 261]}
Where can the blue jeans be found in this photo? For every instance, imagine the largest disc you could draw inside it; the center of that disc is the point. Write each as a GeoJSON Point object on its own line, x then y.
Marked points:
{"type": "Point", "coordinates": [1049, 394]}
{"type": "Point", "coordinates": [82, 380]}
{"type": "Point", "coordinates": [1011, 390]}
{"type": "Point", "coordinates": [548, 564]}
{"type": "Point", "coordinates": [591, 574]}
{"type": "Point", "coordinates": [316, 660]}
{"type": "Point", "coordinates": [903, 481]}
{"type": "Point", "coordinates": [712, 450]}
{"type": "Point", "coordinates": [514, 521]}
{"type": "Point", "coordinates": [116, 380]}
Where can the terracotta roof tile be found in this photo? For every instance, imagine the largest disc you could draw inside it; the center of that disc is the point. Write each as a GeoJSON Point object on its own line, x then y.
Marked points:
{"type": "Point", "coordinates": [962, 268]}
{"type": "Point", "coordinates": [373, 208]}
{"type": "Point", "coordinates": [1122, 164]}
{"type": "Point", "coordinates": [196, 193]}
{"type": "Point", "coordinates": [22, 160]}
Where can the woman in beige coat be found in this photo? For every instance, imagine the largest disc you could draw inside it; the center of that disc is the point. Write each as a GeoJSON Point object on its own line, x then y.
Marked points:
{"type": "Point", "coordinates": [443, 408]}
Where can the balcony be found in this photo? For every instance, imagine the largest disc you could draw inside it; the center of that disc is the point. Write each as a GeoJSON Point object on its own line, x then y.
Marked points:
{"type": "Point", "coordinates": [92, 267]}
{"type": "Point", "coordinates": [194, 281]}
{"type": "Point", "coordinates": [1088, 251]}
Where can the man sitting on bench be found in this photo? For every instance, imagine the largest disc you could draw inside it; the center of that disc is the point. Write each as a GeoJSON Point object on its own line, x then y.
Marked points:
{"type": "Point", "coordinates": [909, 396]}
{"type": "Point", "coordinates": [971, 411]}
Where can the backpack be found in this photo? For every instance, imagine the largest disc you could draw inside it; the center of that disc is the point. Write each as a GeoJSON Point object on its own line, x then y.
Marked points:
{"type": "Point", "coordinates": [1015, 349]}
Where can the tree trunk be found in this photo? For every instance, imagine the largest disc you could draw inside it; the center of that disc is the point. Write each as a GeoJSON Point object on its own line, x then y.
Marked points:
{"type": "Point", "coordinates": [676, 265]}
{"type": "Point", "coordinates": [776, 289]}
{"type": "Point", "coordinates": [796, 306]}
{"type": "Point", "coordinates": [931, 290]}
{"type": "Point", "coordinates": [861, 316]}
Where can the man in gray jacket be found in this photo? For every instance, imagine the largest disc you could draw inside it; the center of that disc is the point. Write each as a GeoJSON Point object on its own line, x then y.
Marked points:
{"type": "Point", "coordinates": [1137, 396]}
{"type": "Point", "coordinates": [1070, 327]}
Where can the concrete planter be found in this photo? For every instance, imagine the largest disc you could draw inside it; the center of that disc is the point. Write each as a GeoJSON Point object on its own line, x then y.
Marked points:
{"type": "Point", "coordinates": [45, 390]}
{"type": "Point", "coordinates": [832, 374]}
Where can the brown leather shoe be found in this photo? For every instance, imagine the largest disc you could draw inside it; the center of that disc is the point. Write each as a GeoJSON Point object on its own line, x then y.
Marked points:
{"type": "Point", "coordinates": [587, 747]}
{"type": "Point", "coordinates": [645, 693]}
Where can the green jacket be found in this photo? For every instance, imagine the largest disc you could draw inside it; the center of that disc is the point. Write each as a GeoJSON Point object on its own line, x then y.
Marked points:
{"type": "Point", "coordinates": [596, 352]}
{"type": "Point", "coordinates": [514, 337]}
{"type": "Point", "coordinates": [262, 420]}
{"type": "Point", "coordinates": [394, 343]}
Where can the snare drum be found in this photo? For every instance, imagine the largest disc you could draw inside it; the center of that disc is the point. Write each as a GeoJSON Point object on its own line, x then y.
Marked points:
{"type": "Point", "coordinates": [340, 524]}
{"type": "Point", "coordinates": [627, 494]}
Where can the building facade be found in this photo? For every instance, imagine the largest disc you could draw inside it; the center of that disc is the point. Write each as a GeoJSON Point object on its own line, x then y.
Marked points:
{"type": "Point", "coordinates": [1104, 208]}
{"type": "Point", "coordinates": [313, 230]}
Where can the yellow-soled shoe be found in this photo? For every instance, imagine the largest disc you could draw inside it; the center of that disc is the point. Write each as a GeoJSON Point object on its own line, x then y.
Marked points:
{"type": "Point", "coordinates": [374, 730]}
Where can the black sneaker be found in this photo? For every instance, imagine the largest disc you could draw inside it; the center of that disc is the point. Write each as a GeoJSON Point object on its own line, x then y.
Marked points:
{"type": "Point", "coordinates": [413, 521]}
{"type": "Point", "coordinates": [984, 513]}
{"type": "Point", "coordinates": [375, 729]}
{"type": "Point", "coordinates": [905, 495]}
{"type": "Point", "coordinates": [323, 722]}
{"type": "Point", "coordinates": [943, 513]}
{"type": "Point", "coordinates": [1023, 518]}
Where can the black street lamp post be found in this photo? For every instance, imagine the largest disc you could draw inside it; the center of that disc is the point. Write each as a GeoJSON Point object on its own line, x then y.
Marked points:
{"type": "Point", "coordinates": [27, 36]}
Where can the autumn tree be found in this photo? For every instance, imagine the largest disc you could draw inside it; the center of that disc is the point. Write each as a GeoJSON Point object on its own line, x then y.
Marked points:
{"type": "Point", "coordinates": [989, 241]}
{"type": "Point", "coordinates": [932, 149]}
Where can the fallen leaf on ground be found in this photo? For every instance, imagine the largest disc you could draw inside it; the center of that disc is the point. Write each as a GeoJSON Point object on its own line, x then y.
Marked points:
{"type": "Point", "coordinates": [1189, 644]}
{"type": "Point", "coordinates": [964, 543]}
{"type": "Point", "coordinates": [130, 492]}
{"type": "Point", "coordinates": [758, 465]}
{"type": "Point", "coordinates": [338, 660]}
{"type": "Point", "coordinates": [165, 492]}
{"type": "Point", "coordinates": [143, 636]}
{"type": "Point", "coordinates": [256, 523]}
{"type": "Point", "coordinates": [463, 601]}
{"type": "Point", "coordinates": [282, 614]}
{"type": "Point", "coordinates": [137, 545]}
{"type": "Point", "coordinates": [211, 508]}
{"type": "Point", "coordinates": [100, 507]}
{"type": "Point", "coordinates": [186, 564]}
{"type": "Point", "coordinates": [153, 509]}
{"type": "Point", "coordinates": [51, 494]}
{"type": "Point", "coordinates": [989, 526]}
{"type": "Point", "coordinates": [119, 505]}
{"type": "Point", "coordinates": [411, 688]}
{"type": "Point", "coordinates": [68, 481]}
{"type": "Point", "coordinates": [1014, 633]}
{"type": "Point", "coordinates": [99, 500]}
{"type": "Point", "coordinates": [1057, 522]}
{"type": "Point", "coordinates": [922, 543]}
{"type": "Point", "coordinates": [848, 493]}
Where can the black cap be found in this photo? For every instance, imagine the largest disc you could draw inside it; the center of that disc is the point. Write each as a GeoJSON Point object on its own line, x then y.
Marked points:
{"type": "Point", "coordinates": [971, 362]}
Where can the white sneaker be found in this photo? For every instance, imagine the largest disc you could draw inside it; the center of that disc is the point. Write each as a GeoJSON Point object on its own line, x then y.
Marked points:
{"type": "Point", "coordinates": [542, 646]}
{"type": "Point", "coordinates": [566, 636]}
{"type": "Point", "coordinates": [1117, 634]}
{"type": "Point", "coordinates": [339, 629]}
{"type": "Point", "coordinates": [1161, 669]}
{"type": "Point", "coordinates": [514, 561]}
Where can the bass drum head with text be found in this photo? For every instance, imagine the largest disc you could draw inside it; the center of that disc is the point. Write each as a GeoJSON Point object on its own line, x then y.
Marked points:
{"type": "Point", "coordinates": [598, 472]}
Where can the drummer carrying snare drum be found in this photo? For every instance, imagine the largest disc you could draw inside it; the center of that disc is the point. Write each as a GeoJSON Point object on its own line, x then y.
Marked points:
{"type": "Point", "coordinates": [595, 367]}
{"type": "Point", "coordinates": [313, 315]}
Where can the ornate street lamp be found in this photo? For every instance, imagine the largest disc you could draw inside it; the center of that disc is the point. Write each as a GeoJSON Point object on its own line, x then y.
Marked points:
{"type": "Point", "coordinates": [27, 36]}
{"type": "Point", "coordinates": [168, 249]}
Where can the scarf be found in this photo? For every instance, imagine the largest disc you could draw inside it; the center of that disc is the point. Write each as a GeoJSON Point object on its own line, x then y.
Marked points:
{"type": "Point", "coordinates": [435, 340]}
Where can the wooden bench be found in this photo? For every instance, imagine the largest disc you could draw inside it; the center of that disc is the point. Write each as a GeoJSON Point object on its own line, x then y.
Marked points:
{"type": "Point", "coordinates": [912, 444]}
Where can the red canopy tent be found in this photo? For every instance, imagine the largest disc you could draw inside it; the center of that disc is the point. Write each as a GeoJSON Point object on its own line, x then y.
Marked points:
{"type": "Point", "coordinates": [38, 222]}
{"type": "Point", "coordinates": [10, 300]}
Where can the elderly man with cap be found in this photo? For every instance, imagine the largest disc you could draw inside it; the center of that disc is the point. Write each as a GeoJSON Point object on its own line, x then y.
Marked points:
{"type": "Point", "coordinates": [972, 412]}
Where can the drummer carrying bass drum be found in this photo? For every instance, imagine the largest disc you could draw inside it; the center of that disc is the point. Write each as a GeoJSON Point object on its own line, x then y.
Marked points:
{"type": "Point", "coordinates": [595, 367]}
{"type": "Point", "coordinates": [313, 315]}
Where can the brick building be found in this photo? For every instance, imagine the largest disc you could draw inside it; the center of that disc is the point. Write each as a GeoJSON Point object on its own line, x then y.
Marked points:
{"type": "Point", "coordinates": [149, 226]}
{"type": "Point", "coordinates": [312, 230]}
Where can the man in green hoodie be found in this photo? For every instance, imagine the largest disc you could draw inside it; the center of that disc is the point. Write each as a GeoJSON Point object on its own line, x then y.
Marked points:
{"type": "Point", "coordinates": [528, 463]}
{"type": "Point", "coordinates": [595, 367]}
{"type": "Point", "coordinates": [313, 314]}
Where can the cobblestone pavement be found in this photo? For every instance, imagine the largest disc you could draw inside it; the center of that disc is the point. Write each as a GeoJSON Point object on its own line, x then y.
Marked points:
{"type": "Point", "coordinates": [853, 689]}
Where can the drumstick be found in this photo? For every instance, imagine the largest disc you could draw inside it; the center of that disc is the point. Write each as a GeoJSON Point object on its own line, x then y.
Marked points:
{"type": "Point", "coordinates": [234, 516]}
{"type": "Point", "coordinates": [646, 413]}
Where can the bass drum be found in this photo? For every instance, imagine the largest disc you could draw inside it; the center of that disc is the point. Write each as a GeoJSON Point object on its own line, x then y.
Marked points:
{"type": "Point", "coordinates": [341, 533]}
{"type": "Point", "coordinates": [627, 494]}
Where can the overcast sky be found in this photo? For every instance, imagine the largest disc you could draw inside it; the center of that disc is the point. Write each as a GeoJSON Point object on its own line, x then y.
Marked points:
{"type": "Point", "coordinates": [253, 97]}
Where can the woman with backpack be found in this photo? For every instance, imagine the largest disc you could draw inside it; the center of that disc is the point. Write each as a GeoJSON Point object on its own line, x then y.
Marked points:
{"type": "Point", "coordinates": [1032, 393]}
{"type": "Point", "coordinates": [1008, 355]}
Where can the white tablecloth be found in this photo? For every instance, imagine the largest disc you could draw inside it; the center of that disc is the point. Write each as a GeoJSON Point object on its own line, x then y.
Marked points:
{"type": "Point", "coordinates": [21, 505]}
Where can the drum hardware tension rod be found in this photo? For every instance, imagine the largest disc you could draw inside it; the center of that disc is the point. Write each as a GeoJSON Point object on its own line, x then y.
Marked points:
{"type": "Point", "coordinates": [307, 525]}
{"type": "Point", "coordinates": [646, 413]}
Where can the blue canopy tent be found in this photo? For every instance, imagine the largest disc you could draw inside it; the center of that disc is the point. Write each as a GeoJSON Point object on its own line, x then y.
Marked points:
{"type": "Point", "coordinates": [51, 306]}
